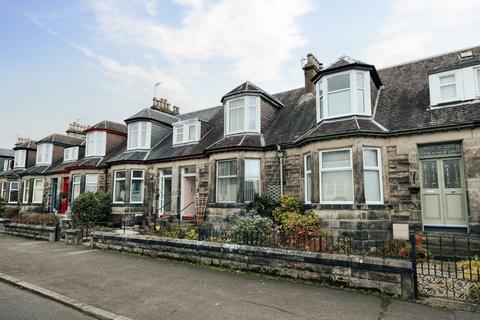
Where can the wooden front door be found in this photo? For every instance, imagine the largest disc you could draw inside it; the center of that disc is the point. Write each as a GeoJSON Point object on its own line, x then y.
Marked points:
{"type": "Point", "coordinates": [65, 187]}
{"type": "Point", "coordinates": [443, 192]}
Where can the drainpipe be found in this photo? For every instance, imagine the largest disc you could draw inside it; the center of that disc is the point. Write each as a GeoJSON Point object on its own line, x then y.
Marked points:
{"type": "Point", "coordinates": [280, 159]}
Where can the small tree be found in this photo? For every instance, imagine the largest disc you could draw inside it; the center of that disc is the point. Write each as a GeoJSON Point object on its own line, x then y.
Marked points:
{"type": "Point", "coordinates": [91, 207]}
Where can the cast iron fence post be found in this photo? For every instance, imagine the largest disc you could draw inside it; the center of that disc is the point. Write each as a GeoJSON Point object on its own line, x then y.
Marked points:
{"type": "Point", "coordinates": [414, 265]}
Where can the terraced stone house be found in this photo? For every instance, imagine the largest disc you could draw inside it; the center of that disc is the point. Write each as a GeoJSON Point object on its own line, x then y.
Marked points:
{"type": "Point", "coordinates": [362, 148]}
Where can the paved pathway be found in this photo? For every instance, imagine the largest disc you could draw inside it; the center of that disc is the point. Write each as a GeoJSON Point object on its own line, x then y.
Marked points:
{"type": "Point", "coordinates": [146, 288]}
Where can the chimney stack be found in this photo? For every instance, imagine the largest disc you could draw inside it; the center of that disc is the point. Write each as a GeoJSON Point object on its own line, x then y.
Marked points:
{"type": "Point", "coordinates": [310, 69]}
{"type": "Point", "coordinates": [163, 105]}
{"type": "Point", "coordinates": [21, 140]}
{"type": "Point", "coordinates": [76, 129]}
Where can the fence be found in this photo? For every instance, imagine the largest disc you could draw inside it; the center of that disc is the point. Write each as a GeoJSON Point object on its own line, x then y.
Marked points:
{"type": "Point", "coordinates": [448, 267]}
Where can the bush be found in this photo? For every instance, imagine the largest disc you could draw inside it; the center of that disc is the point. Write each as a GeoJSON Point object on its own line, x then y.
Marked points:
{"type": "Point", "coordinates": [38, 219]}
{"type": "Point", "coordinates": [470, 268]}
{"type": "Point", "coordinates": [252, 222]}
{"type": "Point", "coordinates": [263, 205]}
{"type": "Point", "coordinates": [91, 207]}
{"type": "Point", "coordinates": [2, 205]}
{"type": "Point", "coordinates": [11, 212]}
{"type": "Point", "coordinates": [288, 215]}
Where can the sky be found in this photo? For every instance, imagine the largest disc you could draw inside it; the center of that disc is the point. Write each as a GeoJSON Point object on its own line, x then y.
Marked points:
{"type": "Point", "coordinates": [90, 60]}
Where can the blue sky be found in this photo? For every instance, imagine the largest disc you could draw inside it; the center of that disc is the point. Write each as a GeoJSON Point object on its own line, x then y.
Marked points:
{"type": "Point", "coordinates": [64, 61]}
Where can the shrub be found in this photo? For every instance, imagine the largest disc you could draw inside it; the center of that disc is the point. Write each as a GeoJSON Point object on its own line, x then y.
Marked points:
{"type": "Point", "coordinates": [474, 294]}
{"type": "Point", "coordinates": [192, 234]}
{"type": "Point", "coordinates": [288, 215]}
{"type": "Point", "coordinates": [38, 219]}
{"type": "Point", "coordinates": [2, 205]}
{"type": "Point", "coordinates": [263, 205]}
{"type": "Point", "coordinates": [287, 205]}
{"type": "Point", "coordinates": [470, 268]}
{"type": "Point", "coordinates": [11, 212]}
{"type": "Point", "coordinates": [90, 207]}
{"type": "Point", "coordinates": [252, 222]}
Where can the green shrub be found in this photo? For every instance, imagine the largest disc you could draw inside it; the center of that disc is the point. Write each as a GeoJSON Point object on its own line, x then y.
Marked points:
{"type": "Point", "coordinates": [38, 219]}
{"type": "Point", "coordinates": [91, 207]}
{"type": "Point", "coordinates": [2, 205]}
{"type": "Point", "coordinates": [263, 205]}
{"type": "Point", "coordinates": [470, 268]}
{"type": "Point", "coordinates": [252, 222]}
{"type": "Point", "coordinates": [288, 215]}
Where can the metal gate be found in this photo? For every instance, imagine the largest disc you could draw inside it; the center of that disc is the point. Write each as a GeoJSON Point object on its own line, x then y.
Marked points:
{"type": "Point", "coordinates": [447, 267]}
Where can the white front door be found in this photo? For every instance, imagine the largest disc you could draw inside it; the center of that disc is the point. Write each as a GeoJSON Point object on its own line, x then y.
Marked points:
{"type": "Point", "coordinates": [165, 192]}
{"type": "Point", "coordinates": [187, 189]}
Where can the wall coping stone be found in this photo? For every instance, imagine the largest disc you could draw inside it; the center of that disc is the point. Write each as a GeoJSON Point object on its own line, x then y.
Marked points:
{"type": "Point", "coordinates": [30, 226]}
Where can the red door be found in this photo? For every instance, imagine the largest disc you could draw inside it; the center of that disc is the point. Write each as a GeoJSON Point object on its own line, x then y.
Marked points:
{"type": "Point", "coordinates": [64, 206]}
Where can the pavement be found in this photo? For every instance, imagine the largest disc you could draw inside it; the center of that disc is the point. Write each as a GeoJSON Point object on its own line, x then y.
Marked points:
{"type": "Point", "coordinates": [18, 304]}
{"type": "Point", "coordinates": [145, 288]}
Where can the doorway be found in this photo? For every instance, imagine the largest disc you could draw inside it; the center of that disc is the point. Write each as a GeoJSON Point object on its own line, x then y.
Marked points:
{"type": "Point", "coordinates": [64, 203]}
{"type": "Point", "coordinates": [54, 204]}
{"type": "Point", "coordinates": [187, 193]}
{"type": "Point", "coordinates": [165, 194]}
{"type": "Point", "coordinates": [443, 193]}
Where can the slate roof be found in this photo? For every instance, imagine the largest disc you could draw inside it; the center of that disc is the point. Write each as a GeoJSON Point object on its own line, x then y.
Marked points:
{"type": "Point", "coordinates": [36, 170]}
{"type": "Point", "coordinates": [151, 114]}
{"type": "Point", "coordinates": [204, 115]}
{"type": "Point", "coordinates": [63, 140]}
{"type": "Point", "coordinates": [15, 172]}
{"type": "Point", "coordinates": [7, 153]}
{"type": "Point", "coordinates": [109, 125]}
{"type": "Point", "coordinates": [248, 87]}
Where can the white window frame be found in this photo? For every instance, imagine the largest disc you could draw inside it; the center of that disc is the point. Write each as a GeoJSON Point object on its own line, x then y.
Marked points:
{"type": "Point", "coordinates": [378, 169]}
{"type": "Point", "coordinates": [115, 179]}
{"type": "Point", "coordinates": [89, 184]}
{"type": "Point", "coordinates": [3, 191]}
{"type": "Point", "coordinates": [7, 164]}
{"type": "Point", "coordinates": [79, 183]}
{"type": "Point", "coordinates": [476, 72]}
{"type": "Point", "coordinates": [225, 177]}
{"type": "Point", "coordinates": [96, 140]}
{"type": "Point", "coordinates": [305, 183]}
{"type": "Point", "coordinates": [246, 114]}
{"type": "Point", "coordinates": [44, 154]}
{"type": "Point", "coordinates": [252, 178]}
{"type": "Point", "coordinates": [434, 86]}
{"type": "Point", "coordinates": [142, 179]}
{"type": "Point", "coordinates": [70, 154]}
{"type": "Point", "coordinates": [184, 126]}
{"type": "Point", "coordinates": [35, 188]}
{"type": "Point", "coordinates": [10, 189]}
{"type": "Point", "coordinates": [26, 191]}
{"type": "Point", "coordinates": [20, 158]}
{"type": "Point", "coordinates": [135, 135]}
{"type": "Point", "coordinates": [335, 169]}
{"type": "Point", "coordinates": [322, 86]}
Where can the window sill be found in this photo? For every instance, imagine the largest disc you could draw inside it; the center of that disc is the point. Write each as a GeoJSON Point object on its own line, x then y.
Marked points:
{"type": "Point", "coordinates": [228, 205]}
{"type": "Point", "coordinates": [358, 206]}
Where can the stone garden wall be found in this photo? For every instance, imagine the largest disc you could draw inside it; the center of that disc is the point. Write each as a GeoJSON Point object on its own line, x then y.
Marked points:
{"type": "Point", "coordinates": [30, 231]}
{"type": "Point", "coordinates": [390, 276]}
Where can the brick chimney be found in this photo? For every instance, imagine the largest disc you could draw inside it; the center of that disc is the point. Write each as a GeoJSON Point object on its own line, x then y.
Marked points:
{"type": "Point", "coordinates": [77, 130]}
{"type": "Point", "coordinates": [163, 105]}
{"type": "Point", "coordinates": [310, 69]}
{"type": "Point", "coordinates": [21, 140]}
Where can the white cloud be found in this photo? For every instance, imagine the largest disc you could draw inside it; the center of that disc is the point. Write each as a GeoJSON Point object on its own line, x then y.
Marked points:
{"type": "Point", "coordinates": [253, 36]}
{"type": "Point", "coordinates": [419, 28]}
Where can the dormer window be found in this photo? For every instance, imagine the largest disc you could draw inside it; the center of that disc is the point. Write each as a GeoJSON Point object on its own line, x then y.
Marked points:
{"type": "Point", "coordinates": [343, 94]}
{"type": "Point", "coordinates": [44, 154]}
{"type": "Point", "coordinates": [20, 156]}
{"type": "Point", "coordinates": [70, 154]}
{"type": "Point", "coordinates": [139, 135]}
{"type": "Point", "coordinates": [242, 115]}
{"type": "Point", "coordinates": [453, 86]}
{"type": "Point", "coordinates": [96, 143]}
{"type": "Point", "coordinates": [187, 131]}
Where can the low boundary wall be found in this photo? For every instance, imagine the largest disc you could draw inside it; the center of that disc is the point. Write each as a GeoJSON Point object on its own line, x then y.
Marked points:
{"type": "Point", "coordinates": [31, 231]}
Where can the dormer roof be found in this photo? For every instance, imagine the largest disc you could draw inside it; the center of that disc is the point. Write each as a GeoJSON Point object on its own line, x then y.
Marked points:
{"type": "Point", "coordinates": [109, 126]}
{"type": "Point", "coordinates": [249, 88]}
{"type": "Point", "coordinates": [155, 115]}
{"type": "Point", "coordinates": [62, 139]}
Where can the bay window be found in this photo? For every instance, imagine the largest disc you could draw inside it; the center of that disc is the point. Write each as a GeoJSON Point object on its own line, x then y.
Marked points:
{"type": "Point", "coordinates": [226, 181]}
{"type": "Point", "coordinates": [242, 115]}
{"type": "Point", "coordinates": [252, 179]}
{"type": "Point", "coordinates": [119, 186]}
{"type": "Point", "coordinates": [139, 135]}
{"type": "Point", "coordinates": [136, 186]}
{"type": "Point", "coordinates": [13, 192]}
{"type": "Point", "coordinates": [26, 191]}
{"type": "Point", "coordinates": [91, 182]}
{"type": "Point", "coordinates": [44, 153]}
{"type": "Point", "coordinates": [336, 177]}
{"type": "Point", "coordinates": [96, 143]}
{"type": "Point", "coordinates": [343, 94]}
{"type": "Point", "coordinates": [372, 175]}
{"type": "Point", "coordinates": [37, 191]}
{"type": "Point", "coordinates": [70, 154]}
{"type": "Point", "coordinates": [186, 131]}
{"type": "Point", "coordinates": [20, 158]}
{"type": "Point", "coordinates": [76, 186]}
{"type": "Point", "coordinates": [307, 163]}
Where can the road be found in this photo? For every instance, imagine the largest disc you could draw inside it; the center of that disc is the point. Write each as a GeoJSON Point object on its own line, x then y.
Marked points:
{"type": "Point", "coordinates": [146, 288]}
{"type": "Point", "coordinates": [17, 304]}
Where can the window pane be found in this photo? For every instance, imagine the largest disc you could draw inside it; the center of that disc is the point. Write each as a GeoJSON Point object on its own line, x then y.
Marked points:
{"type": "Point", "coordinates": [321, 107]}
{"type": "Point", "coordinates": [360, 80]}
{"type": "Point", "coordinates": [370, 158]}
{"type": "Point", "coordinates": [339, 102]}
{"type": "Point", "coordinates": [360, 100]}
{"type": "Point", "coordinates": [252, 179]}
{"type": "Point", "coordinates": [167, 194]}
{"type": "Point", "coordinates": [227, 168]}
{"type": "Point", "coordinates": [337, 186]}
{"type": "Point", "coordinates": [252, 168]}
{"type": "Point", "coordinates": [38, 191]}
{"type": "Point", "coordinates": [137, 186]}
{"type": "Point", "coordinates": [120, 174]}
{"type": "Point", "coordinates": [478, 79]}
{"type": "Point", "coordinates": [192, 133]}
{"type": "Point", "coordinates": [143, 138]}
{"type": "Point", "coordinates": [336, 159]}
{"type": "Point", "coordinates": [308, 163]}
{"type": "Point", "coordinates": [137, 174]}
{"type": "Point", "coordinates": [227, 189]}
{"type": "Point", "coordinates": [338, 82]}
{"type": "Point", "coordinates": [450, 79]}
{"type": "Point", "coordinates": [252, 118]}
{"type": "Point", "coordinates": [448, 92]}
{"type": "Point", "coordinates": [308, 187]}
{"type": "Point", "coordinates": [430, 174]}
{"type": "Point", "coordinates": [236, 119]}
{"type": "Point", "coordinates": [119, 191]}
{"type": "Point", "coordinates": [451, 173]}
{"type": "Point", "coordinates": [251, 188]}
{"type": "Point", "coordinates": [91, 183]}
{"type": "Point", "coordinates": [372, 185]}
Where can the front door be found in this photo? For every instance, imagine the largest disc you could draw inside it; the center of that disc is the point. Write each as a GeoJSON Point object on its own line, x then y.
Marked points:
{"type": "Point", "coordinates": [187, 190]}
{"type": "Point", "coordinates": [165, 194]}
{"type": "Point", "coordinates": [64, 203]}
{"type": "Point", "coordinates": [443, 193]}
